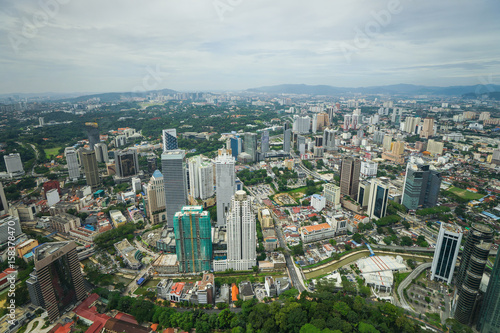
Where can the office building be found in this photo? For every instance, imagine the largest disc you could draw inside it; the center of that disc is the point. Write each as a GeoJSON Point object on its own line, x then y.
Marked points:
{"type": "Point", "coordinates": [41, 121]}
{"type": "Point", "coordinates": [59, 275]}
{"type": "Point", "coordinates": [349, 177]}
{"type": "Point", "coordinates": [446, 254]}
{"type": "Point", "coordinates": [379, 194]}
{"type": "Point", "coordinates": [9, 223]}
{"type": "Point", "coordinates": [387, 142]}
{"type": "Point", "coordinates": [14, 165]}
{"type": "Point", "coordinates": [126, 163]}
{"type": "Point", "coordinates": [421, 187]}
{"type": "Point", "coordinates": [72, 163]}
{"type": "Point", "coordinates": [173, 163]}
{"type": "Point", "coordinates": [101, 152]}
{"type": "Point", "coordinates": [169, 137]}
{"type": "Point", "coordinates": [427, 129]}
{"type": "Point", "coordinates": [364, 193]}
{"type": "Point", "coordinates": [287, 140]}
{"type": "Point", "coordinates": [90, 168]}
{"type": "Point", "coordinates": [331, 192]}
{"type": "Point", "coordinates": [92, 130]}
{"type": "Point", "coordinates": [435, 147]}
{"type": "Point", "coordinates": [193, 239]}
{"type": "Point", "coordinates": [329, 139]}
{"type": "Point", "coordinates": [301, 144]}
{"type": "Point", "coordinates": [235, 146]}
{"type": "Point", "coordinates": [323, 120]}
{"type": "Point", "coordinates": [156, 208]}
{"type": "Point", "coordinates": [120, 140]}
{"type": "Point", "coordinates": [225, 178]}
{"type": "Point", "coordinates": [251, 145]}
{"type": "Point", "coordinates": [489, 316]}
{"type": "Point", "coordinates": [34, 290]}
{"type": "Point", "coordinates": [467, 304]}
{"type": "Point", "coordinates": [241, 234]}
{"type": "Point", "coordinates": [4, 204]}
{"type": "Point", "coordinates": [201, 178]}
{"type": "Point", "coordinates": [264, 142]}
{"type": "Point", "coordinates": [378, 137]}
{"type": "Point", "coordinates": [477, 233]}
{"type": "Point", "coordinates": [369, 168]}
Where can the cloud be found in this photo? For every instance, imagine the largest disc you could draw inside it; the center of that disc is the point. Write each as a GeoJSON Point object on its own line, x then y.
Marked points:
{"type": "Point", "coordinates": [108, 45]}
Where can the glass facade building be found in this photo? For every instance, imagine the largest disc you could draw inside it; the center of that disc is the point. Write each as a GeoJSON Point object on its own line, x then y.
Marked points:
{"type": "Point", "coordinates": [193, 239]}
{"type": "Point", "coordinates": [447, 247]}
{"type": "Point", "coordinates": [169, 137]}
{"type": "Point", "coordinates": [489, 318]}
{"type": "Point", "coordinates": [421, 187]}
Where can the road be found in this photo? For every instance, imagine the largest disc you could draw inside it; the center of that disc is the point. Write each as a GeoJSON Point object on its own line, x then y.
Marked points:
{"type": "Point", "coordinates": [132, 286]}
{"type": "Point", "coordinates": [415, 249]}
{"type": "Point", "coordinates": [406, 282]}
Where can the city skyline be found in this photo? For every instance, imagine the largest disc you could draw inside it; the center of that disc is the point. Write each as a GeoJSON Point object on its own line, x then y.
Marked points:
{"type": "Point", "coordinates": [88, 48]}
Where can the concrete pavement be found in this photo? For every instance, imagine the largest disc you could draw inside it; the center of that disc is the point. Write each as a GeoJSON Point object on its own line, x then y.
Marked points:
{"type": "Point", "coordinates": [406, 282]}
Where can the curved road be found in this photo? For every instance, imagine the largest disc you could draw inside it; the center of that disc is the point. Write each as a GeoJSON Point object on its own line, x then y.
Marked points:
{"type": "Point", "coordinates": [406, 282]}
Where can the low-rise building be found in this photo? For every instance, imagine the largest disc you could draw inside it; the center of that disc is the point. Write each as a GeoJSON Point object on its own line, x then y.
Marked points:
{"type": "Point", "coordinates": [65, 222]}
{"type": "Point", "coordinates": [314, 233]}
{"type": "Point", "coordinates": [166, 264]}
{"type": "Point", "coordinates": [117, 218]}
{"type": "Point", "coordinates": [270, 287]}
{"type": "Point", "coordinates": [246, 291]}
{"type": "Point", "coordinates": [130, 255]}
{"type": "Point", "coordinates": [318, 202]}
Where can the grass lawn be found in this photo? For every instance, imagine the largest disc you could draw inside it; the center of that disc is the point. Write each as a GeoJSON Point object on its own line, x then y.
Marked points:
{"type": "Point", "coordinates": [468, 195]}
{"type": "Point", "coordinates": [141, 290]}
{"type": "Point", "coordinates": [51, 151]}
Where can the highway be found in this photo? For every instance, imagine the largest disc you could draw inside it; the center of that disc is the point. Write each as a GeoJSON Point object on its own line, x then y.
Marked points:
{"type": "Point", "coordinates": [406, 282]}
{"type": "Point", "coordinates": [415, 249]}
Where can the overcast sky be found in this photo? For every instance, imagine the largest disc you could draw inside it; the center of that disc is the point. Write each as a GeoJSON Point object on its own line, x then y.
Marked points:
{"type": "Point", "coordinates": [124, 45]}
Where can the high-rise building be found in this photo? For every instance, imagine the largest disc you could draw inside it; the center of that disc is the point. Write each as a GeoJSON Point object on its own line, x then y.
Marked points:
{"type": "Point", "coordinates": [421, 186]}
{"type": "Point", "coordinates": [13, 164]}
{"type": "Point", "coordinates": [368, 168]}
{"type": "Point", "coordinates": [314, 126]}
{"type": "Point", "coordinates": [101, 152]}
{"type": "Point", "coordinates": [4, 204]}
{"type": "Point", "coordinates": [364, 193]}
{"type": "Point", "coordinates": [241, 234]}
{"type": "Point", "coordinates": [126, 163]}
{"type": "Point", "coordinates": [92, 130]}
{"type": "Point", "coordinates": [173, 164]}
{"type": "Point", "coordinates": [90, 168]}
{"type": "Point", "coordinates": [235, 146]}
{"type": "Point", "coordinates": [72, 163]}
{"type": "Point", "coordinates": [169, 137]}
{"type": "Point", "coordinates": [489, 316]}
{"type": "Point", "coordinates": [349, 177]}
{"type": "Point", "coordinates": [467, 303]}
{"type": "Point", "coordinates": [378, 137]}
{"type": "Point", "coordinates": [435, 147]}
{"type": "Point", "coordinates": [387, 142]}
{"type": "Point", "coordinates": [225, 177]}
{"type": "Point", "coordinates": [377, 202]}
{"type": "Point", "coordinates": [264, 142]}
{"type": "Point", "coordinates": [329, 139]}
{"type": "Point", "coordinates": [301, 125]}
{"type": "Point", "coordinates": [446, 254]}
{"type": "Point", "coordinates": [41, 121]}
{"type": "Point", "coordinates": [322, 121]}
{"type": "Point", "coordinates": [201, 178]}
{"type": "Point", "coordinates": [59, 276]}
{"type": "Point", "coordinates": [155, 190]}
{"type": "Point", "coordinates": [9, 223]}
{"type": "Point", "coordinates": [193, 239]}
{"type": "Point", "coordinates": [251, 145]}
{"type": "Point", "coordinates": [34, 290]}
{"type": "Point", "coordinates": [287, 140]}
{"type": "Point", "coordinates": [427, 129]}
{"type": "Point", "coordinates": [331, 192]}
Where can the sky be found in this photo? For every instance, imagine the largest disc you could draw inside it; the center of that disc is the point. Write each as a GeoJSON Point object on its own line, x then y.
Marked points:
{"type": "Point", "coordinates": [211, 45]}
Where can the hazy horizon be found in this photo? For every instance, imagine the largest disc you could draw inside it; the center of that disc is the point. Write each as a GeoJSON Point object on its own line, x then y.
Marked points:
{"type": "Point", "coordinates": [230, 45]}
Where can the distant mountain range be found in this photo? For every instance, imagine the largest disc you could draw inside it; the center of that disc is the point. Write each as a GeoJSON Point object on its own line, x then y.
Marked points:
{"type": "Point", "coordinates": [396, 89]}
{"type": "Point", "coordinates": [116, 96]}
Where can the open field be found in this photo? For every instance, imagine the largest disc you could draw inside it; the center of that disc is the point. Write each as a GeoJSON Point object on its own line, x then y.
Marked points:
{"type": "Point", "coordinates": [465, 194]}
{"type": "Point", "coordinates": [51, 151]}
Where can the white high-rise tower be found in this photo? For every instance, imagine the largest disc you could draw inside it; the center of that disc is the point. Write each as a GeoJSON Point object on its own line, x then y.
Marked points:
{"type": "Point", "coordinates": [241, 234]}
{"type": "Point", "coordinates": [72, 162]}
{"type": "Point", "coordinates": [225, 178]}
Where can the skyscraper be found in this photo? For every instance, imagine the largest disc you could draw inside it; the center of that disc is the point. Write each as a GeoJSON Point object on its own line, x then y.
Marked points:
{"type": "Point", "coordinates": [156, 198]}
{"type": "Point", "coordinates": [126, 163]}
{"type": "Point", "coordinates": [14, 165]}
{"type": "Point", "coordinates": [92, 130]}
{"type": "Point", "coordinates": [193, 239]}
{"type": "Point", "coordinates": [241, 234]}
{"type": "Point", "coordinates": [201, 178]}
{"type": "Point", "coordinates": [4, 204]}
{"type": "Point", "coordinates": [173, 164]}
{"type": "Point", "coordinates": [169, 137]}
{"type": "Point", "coordinates": [235, 146]}
{"type": "Point", "coordinates": [287, 139]}
{"type": "Point", "coordinates": [427, 129]}
{"type": "Point", "coordinates": [489, 317]}
{"type": "Point", "coordinates": [251, 145]}
{"type": "Point", "coordinates": [421, 186]}
{"type": "Point", "coordinates": [329, 139]}
{"type": "Point", "coordinates": [72, 163]}
{"type": "Point", "coordinates": [101, 152]}
{"type": "Point", "coordinates": [59, 276]}
{"type": "Point", "coordinates": [264, 143]}
{"type": "Point", "coordinates": [445, 256]}
{"type": "Point", "coordinates": [377, 202]}
{"type": "Point", "coordinates": [301, 124]}
{"type": "Point", "coordinates": [225, 177]}
{"type": "Point", "coordinates": [90, 168]}
{"type": "Point", "coordinates": [349, 177]}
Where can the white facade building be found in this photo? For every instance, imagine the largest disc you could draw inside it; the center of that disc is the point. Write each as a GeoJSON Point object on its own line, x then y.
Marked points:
{"type": "Point", "coordinates": [301, 124]}
{"type": "Point", "coordinates": [225, 177]}
{"type": "Point", "coordinates": [101, 152]}
{"type": "Point", "coordinates": [318, 202]}
{"type": "Point", "coordinates": [331, 192]}
{"type": "Point", "coordinates": [368, 169]}
{"type": "Point", "coordinates": [136, 184]}
{"type": "Point", "coordinates": [52, 197]}
{"type": "Point", "coordinates": [201, 178]}
{"type": "Point", "coordinates": [72, 163]}
{"type": "Point", "coordinates": [14, 165]}
{"type": "Point", "coordinates": [445, 256]}
{"type": "Point", "coordinates": [241, 234]}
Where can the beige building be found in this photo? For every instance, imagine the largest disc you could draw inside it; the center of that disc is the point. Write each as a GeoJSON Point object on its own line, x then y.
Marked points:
{"type": "Point", "coordinates": [265, 219]}
{"type": "Point", "coordinates": [156, 208]}
{"type": "Point", "coordinates": [435, 147]}
{"type": "Point", "coordinates": [427, 129]}
{"type": "Point", "coordinates": [65, 222]}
